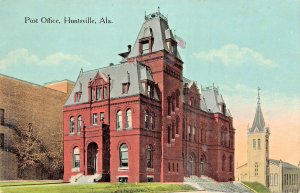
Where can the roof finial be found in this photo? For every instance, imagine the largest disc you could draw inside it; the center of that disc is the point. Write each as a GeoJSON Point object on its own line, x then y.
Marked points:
{"type": "Point", "coordinates": [258, 97]}
{"type": "Point", "coordinates": [158, 9]}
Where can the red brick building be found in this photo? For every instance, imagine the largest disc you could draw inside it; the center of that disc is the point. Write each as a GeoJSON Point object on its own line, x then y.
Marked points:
{"type": "Point", "coordinates": [141, 120]}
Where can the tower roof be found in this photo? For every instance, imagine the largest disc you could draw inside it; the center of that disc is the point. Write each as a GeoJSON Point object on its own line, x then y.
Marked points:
{"type": "Point", "coordinates": [259, 121]}
{"type": "Point", "coordinates": [155, 26]}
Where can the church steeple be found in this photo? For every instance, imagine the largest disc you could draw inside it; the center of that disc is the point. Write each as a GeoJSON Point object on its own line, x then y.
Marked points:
{"type": "Point", "coordinates": [258, 124]}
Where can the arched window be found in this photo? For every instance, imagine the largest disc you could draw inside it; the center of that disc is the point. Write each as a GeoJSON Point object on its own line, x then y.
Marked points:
{"type": "Point", "coordinates": [123, 155]}
{"type": "Point", "coordinates": [79, 123]}
{"type": "Point", "coordinates": [71, 124]}
{"type": "Point", "coordinates": [119, 120]}
{"type": "Point", "coordinates": [173, 102]}
{"type": "Point", "coordinates": [146, 119]}
{"type": "Point", "coordinates": [223, 162]}
{"type": "Point", "coordinates": [275, 179]}
{"type": "Point", "coordinates": [128, 119]}
{"type": "Point", "coordinates": [173, 131]}
{"type": "Point", "coordinates": [192, 165]}
{"type": "Point", "coordinates": [152, 121]}
{"type": "Point", "coordinates": [271, 179]}
{"type": "Point", "coordinates": [76, 157]}
{"type": "Point", "coordinates": [169, 134]}
{"type": "Point", "coordinates": [177, 98]}
{"type": "Point", "coordinates": [230, 163]}
{"type": "Point", "coordinates": [149, 156]}
{"type": "Point", "coordinates": [202, 164]}
{"type": "Point", "coordinates": [177, 125]}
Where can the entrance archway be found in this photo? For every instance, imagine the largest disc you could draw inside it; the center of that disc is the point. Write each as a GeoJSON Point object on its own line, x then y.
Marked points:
{"type": "Point", "coordinates": [92, 157]}
{"type": "Point", "coordinates": [192, 165]}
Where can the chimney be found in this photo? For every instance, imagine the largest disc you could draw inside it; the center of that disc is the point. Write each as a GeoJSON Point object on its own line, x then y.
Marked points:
{"type": "Point", "coordinates": [129, 48]}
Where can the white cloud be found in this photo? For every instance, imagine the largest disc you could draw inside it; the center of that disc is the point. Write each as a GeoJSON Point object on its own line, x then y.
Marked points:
{"type": "Point", "coordinates": [23, 56]}
{"type": "Point", "coordinates": [233, 55]}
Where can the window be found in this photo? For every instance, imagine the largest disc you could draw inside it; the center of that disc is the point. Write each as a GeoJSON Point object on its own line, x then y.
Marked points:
{"type": "Point", "coordinates": [256, 169]}
{"type": "Point", "coordinates": [1, 140]}
{"type": "Point", "coordinates": [223, 162]}
{"type": "Point", "coordinates": [77, 96]}
{"type": "Point", "coordinates": [189, 132]}
{"type": "Point", "coordinates": [149, 156]}
{"type": "Point", "coordinates": [254, 143]}
{"type": "Point", "coordinates": [275, 179]}
{"type": "Point", "coordinates": [104, 93]}
{"type": "Point", "coordinates": [123, 179]}
{"type": "Point", "coordinates": [146, 119]}
{"type": "Point", "coordinates": [149, 91]}
{"type": "Point", "coordinates": [177, 99]}
{"type": "Point", "coordinates": [119, 120]}
{"type": "Point", "coordinates": [169, 166]}
{"type": "Point", "coordinates": [128, 119]}
{"type": "Point", "coordinates": [169, 106]}
{"type": "Point", "coordinates": [125, 88]}
{"type": "Point", "coordinates": [102, 116]}
{"type": "Point", "coordinates": [193, 134]}
{"type": "Point", "coordinates": [271, 180]}
{"type": "Point", "coordinates": [177, 125]}
{"type": "Point", "coordinates": [123, 155]}
{"type": "Point", "coordinates": [150, 179]}
{"type": "Point", "coordinates": [173, 103]}
{"type": "Point", "coordinates": [145, 47]}
{"type": "Point", "coordinates": [95, 117]}
{"type": "Point", "coordinates": [79, 123]}
{"type": "Point", "coordinates": [93, 94]}
{"type": "Point", "coordinates": [258, 144]}
{"type": "Point", "coordinates": [169, 134]}
{"type": "Point", "coordinates": [76, 157]}
{"type": "Point", "coordinates": [173, 167]}
{"type": "Point", "coordinates": [72, 125]}
{"type": "Point", "coordinates": [152, 120]}
{"type": "Point", "coordinates": [98, 93]}
{"type": "Point", "coordinates": [177, 167]}
{"type": "Point", "coordinates": [173, 131]}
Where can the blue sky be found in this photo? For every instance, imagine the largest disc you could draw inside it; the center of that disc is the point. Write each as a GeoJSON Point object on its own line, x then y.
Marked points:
{"type": "Point", "coordinates": [238, 45]}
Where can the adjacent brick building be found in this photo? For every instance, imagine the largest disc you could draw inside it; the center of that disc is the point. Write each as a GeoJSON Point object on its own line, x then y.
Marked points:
{"type": "Point", "coordinates": [141, 120]}
{"type": "Point", "coordinates": [21, 104]}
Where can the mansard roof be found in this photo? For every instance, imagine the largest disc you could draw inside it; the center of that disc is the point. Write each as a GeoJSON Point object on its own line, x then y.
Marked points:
{"type": "Point", "coordinates": [155, 26]}
{"type": "Point", "coordinates": [210, 98]}
{"type": "Point", "coordinates": [119, 74]}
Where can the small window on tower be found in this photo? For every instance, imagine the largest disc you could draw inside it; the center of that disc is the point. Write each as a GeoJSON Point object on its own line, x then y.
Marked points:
{"type": "Point", "coordinates": [1, 141]}
{"type": "Point", "coordinates": [145, 48]}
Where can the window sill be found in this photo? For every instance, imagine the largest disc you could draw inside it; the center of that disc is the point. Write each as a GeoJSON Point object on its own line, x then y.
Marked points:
{"type": "Point", "coordinates": [150, 169]}
{"type": "Point", "coordinates": [173, 140]}
{"type": "Point", "coordinates": [78, 133]}
{"type": "Point", "coordinates": [168, 144]}
{"type": "Point", "coordinates": [177, 135]}
{"type": "Point", "coordinates": [75, 170]}
{"type": "Point", "coordinates": [71, 134]}
{"type": "Point", "coordinates": [123, 169]}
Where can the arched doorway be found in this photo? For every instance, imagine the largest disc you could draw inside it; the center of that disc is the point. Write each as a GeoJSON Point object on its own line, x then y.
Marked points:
{"type": "Point", "coordinates": [202, 165]}
{"type": "Point", "coordinates": [92, 157]}
{"type": "Point", "coordinates": [192, 165]}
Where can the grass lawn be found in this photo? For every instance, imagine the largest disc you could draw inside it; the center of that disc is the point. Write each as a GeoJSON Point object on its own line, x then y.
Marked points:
{"type": "Point", "coordinates": [24, 183]}
{"type": "Point", "coordinates": [257, 187]}
{"type": "Point", "coordinates": [97, 188]}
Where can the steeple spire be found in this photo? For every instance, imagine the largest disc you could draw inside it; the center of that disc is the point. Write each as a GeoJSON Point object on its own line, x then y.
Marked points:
{"type": "Point", "coordinates": [258, 122]}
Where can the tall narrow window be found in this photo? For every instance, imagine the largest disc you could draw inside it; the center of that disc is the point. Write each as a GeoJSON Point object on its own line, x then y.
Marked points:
{"type": "Point", "coordinates": [254, 143]}
{"type": "Point", "coordinates": [258, 143]}
{"type": "Point", "coordinates": [173, 131]}
{"type": "Point", "coordinates": [173, 103]}
{"type": "Point", "coordinates": [177, 99]}
{"type": "Point", "coordinates": [123, 155]}
{"type": "Point", "coordinates": [119, 120]}
{"type": "Point", "coordinates": [189, 133]}
{"type": "Point", "coordinates": [177, 125]}
{"type": "Point", "coordinates": [169, 106]}
{"type": "Point", "coordinates": [146, 119]}
{"type": "Point", "coordinates": [149, 91]}
{"type": "Point", "coordinates": [72, 125]}
{"type": "Point", "coordinates": [95, 119]}
{"type": "Point", "coordinates": [223, 162]}
{"type": "Point", "coordinates": [169, 134]}
{"type": "Point", "coordinates": [104, 93]}
{"type": "Point", "coordinates": [76, 157]}
{"type": "Point", "coordinates": [79, 123]}
{"type": "Point", "coordinates": [102, 116]}
{"type": "Point", "coordinates": [152, 120]}
{"type": "Point", "coordinates": [1, 140]}
{"type": "Point", "coordinates": [128, 119]}
{"type": "Point", "coordinates": [149, 156]}
{"type": "Point", "coordinates": [98, 94]}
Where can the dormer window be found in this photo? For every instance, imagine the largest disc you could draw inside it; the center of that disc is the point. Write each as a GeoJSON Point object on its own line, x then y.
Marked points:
{"type": "Point", "coordinates": [125, 88]}
{"type": "Point", "coordinates": [98, 93]}
{"type": "Point", "coordinates": [77, 96]}
{"type": "Point", "coordinates": [145, 47]}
